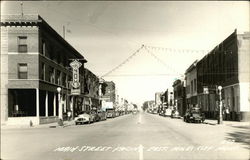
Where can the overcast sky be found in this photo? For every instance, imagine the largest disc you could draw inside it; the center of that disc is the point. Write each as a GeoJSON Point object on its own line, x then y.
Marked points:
{"type": "Point", "coordinates": [106, 33]}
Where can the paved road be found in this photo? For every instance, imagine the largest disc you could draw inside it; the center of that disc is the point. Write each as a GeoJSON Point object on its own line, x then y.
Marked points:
{"type": "Point", "coordinates": [131, 137]}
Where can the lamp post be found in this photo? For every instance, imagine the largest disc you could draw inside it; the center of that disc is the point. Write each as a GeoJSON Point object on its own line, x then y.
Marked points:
{"type": "Point", "coordinates": [220, 121]}
{"type": "Point", "coordinates": [60, 115]}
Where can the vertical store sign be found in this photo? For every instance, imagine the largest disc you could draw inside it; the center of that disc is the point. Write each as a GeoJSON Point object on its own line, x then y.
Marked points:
{"type": "Point", "coordinates": [75, 65]}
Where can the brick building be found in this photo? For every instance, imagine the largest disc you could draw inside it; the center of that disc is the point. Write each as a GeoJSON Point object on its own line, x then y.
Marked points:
{"type": "Point", "coordinates": [34, 63]}
{"type": "Point", "coordinates": [109, 91]}
{"type": "Point", "coordinates": [191, 85]}
{"type": "Point", "coordinates": [180, 96]}
{"type": "Point", "coordinates": [226, 65]}
{"type": "Point", "coordinates": [91, 88]}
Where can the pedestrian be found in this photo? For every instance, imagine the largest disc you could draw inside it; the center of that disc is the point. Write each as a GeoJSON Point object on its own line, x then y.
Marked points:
{"type": "Point", "coordinates": [69, 115]}
{"type": "Point", "coordinates": [227, 112]}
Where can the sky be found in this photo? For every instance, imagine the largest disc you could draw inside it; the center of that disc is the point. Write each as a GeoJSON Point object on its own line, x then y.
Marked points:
{"type": "Point", "coordinates": [107, 32]}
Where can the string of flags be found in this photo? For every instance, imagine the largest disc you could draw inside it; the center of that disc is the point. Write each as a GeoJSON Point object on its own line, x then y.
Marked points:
{"type": "Point", "coordinates": [149, 50]}
{"type": "Point", "coordinates": [124, 62]}
{"type": "Point", "coordinates": [188, 51]}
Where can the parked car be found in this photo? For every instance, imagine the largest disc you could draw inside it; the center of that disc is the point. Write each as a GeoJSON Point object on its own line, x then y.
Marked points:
{"type": "Point", "coordinates": [110, 113]}
{"type": "Point", "coordinates": [167, 112]}
{"type": "Point", "coordinates": [84, 117]}
{"type": "Point", "coordinates": [194, 115]}
{"type": "Point", "coordinates": [95, 115]}
{"type": "Point", "coordinates": [175, 114]}
{"type": "Point", "coordinates": [102, 115]}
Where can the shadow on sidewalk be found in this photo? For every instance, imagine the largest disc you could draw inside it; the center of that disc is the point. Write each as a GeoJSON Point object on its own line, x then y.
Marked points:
{"type": "Point", "coordinates": [240, 136]}
{"type": "Point", "coordinates": [209, 123]}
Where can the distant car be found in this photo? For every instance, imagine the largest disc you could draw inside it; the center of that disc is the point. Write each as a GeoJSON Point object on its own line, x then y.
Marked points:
{"type": "Point", "coordinates": [175, 114]}
{"type": "Point", "coordinates": [101, 115]}
{"type": "Point", "coordinates": [95, 115]}
{"type": "Point", "coordinates": [110, 113]}
{"type": "Point", "coordinates": [155, 111]}
{"type": "Point", "coordinates": [84, 118]}
{"type": "Point", "coordinates": [168, 112]}
{"type": "Point", "coordinates": [194, 115]}
{"type": "Point", "coordinates": [134, 112]}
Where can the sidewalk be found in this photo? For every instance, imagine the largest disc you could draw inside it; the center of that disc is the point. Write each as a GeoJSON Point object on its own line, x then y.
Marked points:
{"type": "Point", "coordinates": [49, 125]}
{"type": "Point", "coordinates": [226, 123]}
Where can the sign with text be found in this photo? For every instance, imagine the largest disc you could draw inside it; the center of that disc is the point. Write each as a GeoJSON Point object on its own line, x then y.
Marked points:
{"type": "Point", "coordinates": [75, 65]}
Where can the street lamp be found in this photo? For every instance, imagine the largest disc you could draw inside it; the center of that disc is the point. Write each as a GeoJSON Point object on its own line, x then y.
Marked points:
{"type": "Point", "coordinates": [220, 106]}
{"type": "Point", "coordinates": [60, 115]}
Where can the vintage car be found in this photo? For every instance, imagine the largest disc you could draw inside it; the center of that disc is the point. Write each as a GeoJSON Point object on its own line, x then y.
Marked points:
{"type": "Point", "coordinates": [194, 115]}
{"type": "Point", "coordinates": [101, 115]}
{"type": "Point", "coordinates": [175, 114]}
{"type": "Point", "coordinates": [84, 117]}
{"type": "Point", "coordinates": [110, 113]}
{"type": "Point", "coordinates": [167, 112]}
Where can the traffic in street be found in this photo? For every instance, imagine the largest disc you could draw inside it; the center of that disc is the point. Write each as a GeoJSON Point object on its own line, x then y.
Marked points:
{"type": "Point", "coordinates": [131, 137]}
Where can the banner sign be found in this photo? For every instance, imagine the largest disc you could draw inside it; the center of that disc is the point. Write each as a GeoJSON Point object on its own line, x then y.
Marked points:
{"type": "Point", "coordinates": [75, 65]}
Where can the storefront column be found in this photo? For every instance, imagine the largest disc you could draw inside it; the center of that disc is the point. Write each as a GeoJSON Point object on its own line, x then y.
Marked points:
{"type": "Point", "coordinates": [46, 104]}
{"type": "Point", "coordinates": [37, 102]}
{"type": "Point", "coordinates": [54, 104]}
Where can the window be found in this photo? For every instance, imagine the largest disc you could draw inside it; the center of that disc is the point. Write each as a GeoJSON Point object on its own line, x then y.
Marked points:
{"type": "Point", "coordinates": [51, 75]}
{"type": "Point", "coordinates": [192, 87]}
{"type": "Point", "coordinates": [64, 79]}
{"type": "Point", "coordinates": [43, 72]}
{"type": "Point", "coordinates": [22, 71]}
{"type": "Point", "coordinates": [22, 44]}
{"type": "Point", "coordinates": [43, 48]}
{"type": "Point", "coordinates": [195, 85]}
{"type": "Point", "coordinates": [58, 76]}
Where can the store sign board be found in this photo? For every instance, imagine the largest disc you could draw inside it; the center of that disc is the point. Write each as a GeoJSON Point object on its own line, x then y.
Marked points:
{"type": "Point", "coordinates": [75, 65]}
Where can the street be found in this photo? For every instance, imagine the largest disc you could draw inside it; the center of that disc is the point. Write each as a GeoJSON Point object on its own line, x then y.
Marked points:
{"type": "Point", "coordinates": [142, 136]}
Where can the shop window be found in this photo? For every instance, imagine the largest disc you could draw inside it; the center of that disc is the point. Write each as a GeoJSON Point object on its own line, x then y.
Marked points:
{"type": "Point", "coordinates": [22, 44]}
{"type": "Point", "coordinates": [22, 71]}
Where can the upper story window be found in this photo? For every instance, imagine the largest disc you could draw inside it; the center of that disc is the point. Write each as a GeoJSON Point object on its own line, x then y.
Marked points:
{"type": "Point", "coordinates": [22, 44]}
{"type": "Point", "coordinates": [43, 48]}
{"type": "Point", "coordinates": [192, 87]}
{"type": "Point", "coordinates": [195, 85]}
{"type": "Point", "coordinates": [42, 72]}
{"type": "Point", "coordinates": [58, 76]}
{"type": "Point", "coordinates": [51, 75]}
{"type": "Point", "coordinates": [22, 71]}
{"type": "Point", "coordinates": [64, 79]}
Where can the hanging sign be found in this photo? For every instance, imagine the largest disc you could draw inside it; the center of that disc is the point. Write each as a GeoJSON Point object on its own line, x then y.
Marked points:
{"type": "Point", "coordinates": [75, 65]}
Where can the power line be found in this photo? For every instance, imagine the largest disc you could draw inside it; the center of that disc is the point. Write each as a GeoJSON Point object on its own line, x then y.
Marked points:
{"type": "Point", "coordinates": [140, 75]}
{"type": "Point", "coordinates": [159, 60]}
{"type": "Point", "coordinates": [124, 62]}
{"type": "Point", "coordinates": [175, 50]}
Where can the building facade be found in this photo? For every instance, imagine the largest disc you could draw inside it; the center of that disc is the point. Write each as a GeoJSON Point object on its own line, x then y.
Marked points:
{"type": "Point", "coordinates": [191, 85]}
{"type": "Point", "coordinates": [34, 63]}
{"type": "Point", "coordinates": [180, 96]}
{"type": "Point", "coordinates": [227, 65]}
{"type": "Point", "coordinates": [91, 91]}
{"type": "Point", "coordinates": [109, 91]}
